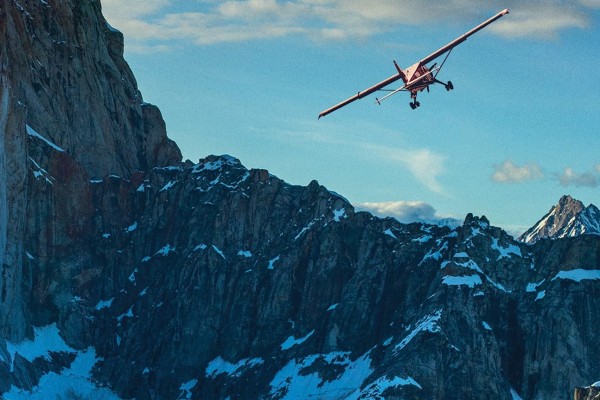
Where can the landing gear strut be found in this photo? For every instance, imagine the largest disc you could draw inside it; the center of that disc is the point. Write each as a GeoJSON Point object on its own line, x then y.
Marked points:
{"type": "Point", "coordinates": [414, 103]}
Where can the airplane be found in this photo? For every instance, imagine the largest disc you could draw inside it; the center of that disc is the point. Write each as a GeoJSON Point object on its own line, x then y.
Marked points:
{"type": "Point", "coordinates": [419, 76]}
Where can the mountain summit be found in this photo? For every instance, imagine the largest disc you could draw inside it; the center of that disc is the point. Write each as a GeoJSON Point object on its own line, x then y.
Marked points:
{"type": "Point", "coordinates": [566, 219]}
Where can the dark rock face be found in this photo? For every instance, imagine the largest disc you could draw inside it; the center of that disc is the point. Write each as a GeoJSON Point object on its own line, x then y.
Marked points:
{"type": "Point", "coordinates": [64, 84]}
{"type": "Point", "coordinates": [567, 219]}
{"type": "Point", "coordinates": [587, 393]}
{"type": "Point", "coordinates": [237, 284]}
{"type": "Point", "coordinates": [213, 281]}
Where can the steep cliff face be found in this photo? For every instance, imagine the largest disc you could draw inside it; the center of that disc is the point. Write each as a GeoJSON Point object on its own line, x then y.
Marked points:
{"type": "Point", "coordinates": [63, 84]}
{"type": "Point", "coordinates": [67, 73]}
{"type": "Point", "coordinates": [125, 269]}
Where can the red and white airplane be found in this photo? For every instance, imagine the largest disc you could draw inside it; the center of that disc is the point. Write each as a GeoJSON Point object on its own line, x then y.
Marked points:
{"type": "Point", "coordinates": [419, 76]}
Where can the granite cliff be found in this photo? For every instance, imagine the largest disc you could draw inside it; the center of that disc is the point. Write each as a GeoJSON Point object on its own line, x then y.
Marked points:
{"type": "Point", "coordinates": [127, 273]}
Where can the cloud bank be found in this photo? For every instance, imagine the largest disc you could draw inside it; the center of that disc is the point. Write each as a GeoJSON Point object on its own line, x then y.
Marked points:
{"type": "Point", "coordinates": [508, 172]}
{"type": "Point", "coordinates": [403, 211]}
{"type": "Point", "coordinates": [150, 23]}
{"type": "Point", "coordinates": [585, 179]}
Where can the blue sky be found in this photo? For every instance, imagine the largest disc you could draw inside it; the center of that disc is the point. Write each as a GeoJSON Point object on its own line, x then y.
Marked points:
{"type": "Point", "coordinates": [249, 78]}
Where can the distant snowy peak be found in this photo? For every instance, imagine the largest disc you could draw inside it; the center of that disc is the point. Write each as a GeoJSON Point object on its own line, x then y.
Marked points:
{"type": "Point", "coordinates": [566, 219]}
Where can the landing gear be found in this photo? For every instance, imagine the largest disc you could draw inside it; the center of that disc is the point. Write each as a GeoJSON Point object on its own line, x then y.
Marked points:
{"type": "Point", "coordinates": [414, 103]}
{"type": "Point", "coordinates": [449, 86]}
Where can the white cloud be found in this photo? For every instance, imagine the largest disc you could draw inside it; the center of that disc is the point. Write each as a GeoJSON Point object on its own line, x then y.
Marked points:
{"type": "Point", "coordinates": [508, 172]}
{"type": "Point", "coordinates": [124, 10]}
{"type": "Point", "coordinates": [404, 211]}
{"type": "Point", "coordinates": [590, 3]}
{"type": "Point", "coordinates": [531, 20]}
{"type": "Point", "coordinates": [425, 165]}
{"type": "Point", "coordinates": [212, 22]}
{"type": "Point", "coordinates": [586, 179]}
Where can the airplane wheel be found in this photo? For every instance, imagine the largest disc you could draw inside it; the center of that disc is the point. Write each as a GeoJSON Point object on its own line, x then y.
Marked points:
{"type": "Point", "coordinates": [450, 86]}
{"type": "Point", "coordinates": [412, 105]}
{"type": "Point", "coordinates": [417, 104]}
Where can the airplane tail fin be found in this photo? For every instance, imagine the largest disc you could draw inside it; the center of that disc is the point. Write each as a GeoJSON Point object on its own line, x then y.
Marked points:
{"type": "Point", "coordinates": [400, 71]}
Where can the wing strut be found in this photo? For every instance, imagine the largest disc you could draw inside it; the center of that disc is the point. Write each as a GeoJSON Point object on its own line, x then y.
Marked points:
{"type": "Point", "coordinates": [366, 92]}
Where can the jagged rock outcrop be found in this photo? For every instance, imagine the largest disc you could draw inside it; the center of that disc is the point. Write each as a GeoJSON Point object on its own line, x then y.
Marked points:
{"type": "Point", "coordinates": [567, 219]}
{"type": "Point", "coordinates": [154, 279]}
{"type": "Point", "coordinates": [225, 281]}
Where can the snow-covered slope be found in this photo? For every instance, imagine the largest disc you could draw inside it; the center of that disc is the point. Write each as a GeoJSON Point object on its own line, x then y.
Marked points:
{"type": "Point", "coordinates": [566, 219]}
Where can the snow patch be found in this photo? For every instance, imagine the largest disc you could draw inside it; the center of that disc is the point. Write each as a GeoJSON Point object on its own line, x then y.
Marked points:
{"type": "Point", "coordinates": [216, 165]}
{"type": "Point", "coordinates": [245, 253]}
{"type": "Point", "coordinates": [297, 380]}
{"type": "Point", "coordinates": [132, 227]}
{"type": "Point", "coordinates": [340, 213]}
{"type": "Point", "coordinates": [46, 340]}
{"type": "Point", "coordinates": [102, 304]}
{"type": "Point", "coordinates": [435, 254]}
{"type": "Point", "coordinates": [219, 252]}
{"type": "Point", "coordinates": [467, 280]}
{"type": "Point", "coordinates": [186, 389]}
{"type": "Point", "coordinates": [578, 275]}
{"type": "Point", "coordinates": [515, 395]}
{"type": "Point", "coordinates": [532, 287]}
{"type": "Point", "coordinates": [272, 262]}
{"type": "Point", "coordinates": [422, 239]}
{"type": "Point", "coordinates": [486, 326]}
{"type": "Point", "coordinates": [376, 389]}
{"type": "Point", "coordinates": [389, 233]}
{"type": "Point", "coordinates": [306, 228]}
{"type": "Point", "coordinates": [41, 173]}
{"type": "Point", "coordinates": [506, 252]}
{"type": "Point", "coordinates": [426, 324]}
{"type": "Point", "coordinates": [540, 295]}
{"type": "Point", "coordinates": [292, 341]}
{"type": "Point", "coordinates": [31, 132]}
{"type": "Point", "coordinates": [126, 314]}
{"type": "Point", "coordinates": [219, 366]}
{"type": "Point", "coordinates": [73, 382]}
{"type": "Point", "coordinates": [168, 186]}
{"type": "Point", "coordinates": [200, 247]}
{"type": "Point", "coordinates": [165, 250]}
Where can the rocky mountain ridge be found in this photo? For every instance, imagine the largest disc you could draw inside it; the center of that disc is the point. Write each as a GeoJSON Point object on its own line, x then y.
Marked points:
{"type": "Point", "coordinates": [568, 218]}
{"type": "Point", "coordinates": [129, 274]}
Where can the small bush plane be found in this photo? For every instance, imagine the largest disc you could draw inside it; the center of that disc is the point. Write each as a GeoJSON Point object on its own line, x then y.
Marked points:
{"type": "Point", "coordinates": [419, 76]}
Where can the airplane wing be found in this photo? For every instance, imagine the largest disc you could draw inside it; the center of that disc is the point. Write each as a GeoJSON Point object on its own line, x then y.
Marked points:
{"type": "Point", "coordinates": [461, 38]}
{"type": "Point", "coordinates": [365, 92]}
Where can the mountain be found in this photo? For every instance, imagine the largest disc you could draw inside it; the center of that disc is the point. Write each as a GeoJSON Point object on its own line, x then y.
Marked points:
{"type": "Point", "coordinates": [566, 219]}
{"type": "Point", "coordinates": [126, 273]}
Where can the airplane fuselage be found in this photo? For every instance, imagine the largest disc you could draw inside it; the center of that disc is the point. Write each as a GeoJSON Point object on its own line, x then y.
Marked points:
{"type": "Point", "coordinates": [419, 79]}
